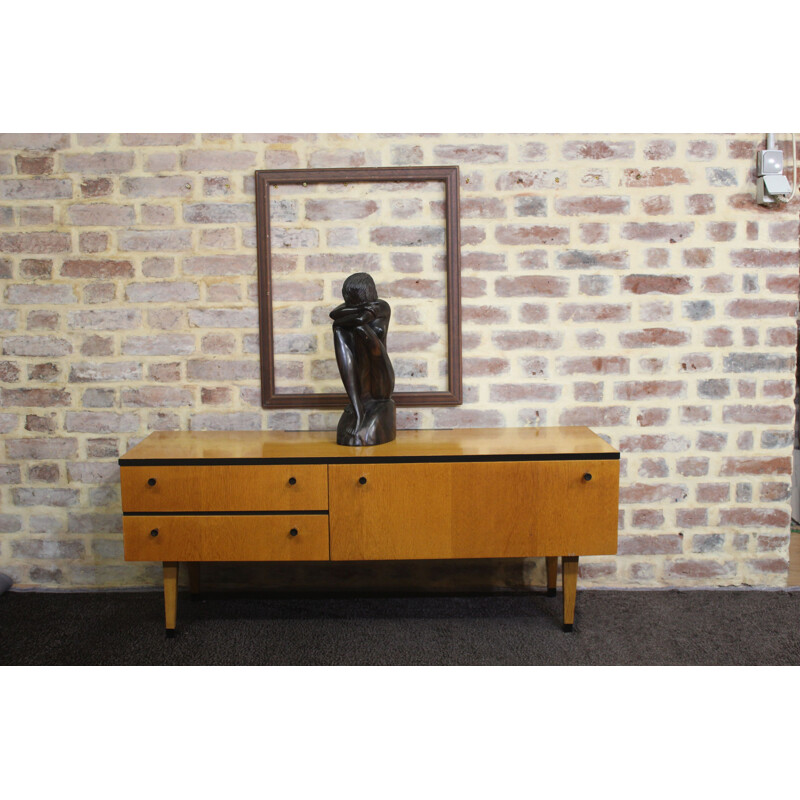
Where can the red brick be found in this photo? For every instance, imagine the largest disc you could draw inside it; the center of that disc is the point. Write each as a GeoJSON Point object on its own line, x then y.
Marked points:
{"type": "Point", "coordinates": [162, 186]}
{"type": "Point", "coordinates": [692, 517]}
{"type": "Point", "coordinates": [656, 284]}
{"type": "Point", "coordinates": [92, 242]}
{"type": "Point", "coordinates": [532, 234]}
{"type": "Point", "coordinates": [38, 242]}
{"type": "Point", "coordinates": [657, 205]}
{"type": "Point", "coordinates": [652, 417]}
{"type": "Point", "coordinates": [594, 312]}
{"type": "Point", "coordinates": [772, 492]}
{"type": "Point", "coordinates": [698, 257]}
{"type": "Point", "coordinates": [221, 160]}
{"type": "Point", "coordinates": [157, 397]}
{"type": "Point", "coordinates": [781, 337]}
{"type": "Point", "coordinates": [754, 257]}
{"type": "Point", "coordinates": [148, 241]}
{"type": "Point", "coordinates": [642, 544]}
{"type": "Point", "coordinates": [534, 340]}
{"type": "Point", "coordinates": [700, 570]}
{"type": "Point", "coordinates": [35, 189]}
{"type": "Point", "coordinates": [155, 139]}
{"type": "Point", "coordinates": [407, 237]}
{"type": "Point", "coordinates": [787, 231]}
{"type": "Point", "coordinates": [580, 206]}
{"type": "Point", "coordinates": [471, 154]}
{"type": "Point", "coordinates": [757, 309]}
{"type": "Point", "coordinates": [654, 337]}
{"type": "Point", "coordinates": [587, 259]}
{"type": "Point", "coordinates": [607, 416]}
{"type": "Point", "coordinates": [657, 231]}
{"type": "Point", "coordinates": [721, 231]}
{"type": "Point", "coordinates": [642, 390]}
{"type": "Point", "coordinates": [532, 285]}
{"type": "Point", "coordinates": [769, 565]}
{"type": "Point", "coordinates": [594, 232]}
{"type": "Point", "coordinates": [592, 365]}
{"type": "Point", "coordinates": [651, 493]}
{"type": "Point", "coordinates": [106, 268]}
{"type": "Point", "coordinates": [466, 418]}
{"type": "Point", "coordinates": [657, 176]}
{"type": "Point", "coordinates": [29, 398]}
{"type": "Point", "coordinates": [533, 312]}
{"type": "Point", "coordinates": [713, 492]}
{"type": "Point", "coordinates": [718, 284]}
{"type": "Point", "coordinates": [341, 157]}
{"type": "Point", "coordinates": [699, 150]}
{"type": "Point", "coordinates": [756, 466]}
{"type": "Point", "coordinates": [34, 165]}
{"type": "Point", "coordinates": [484, 315]}
{"type": "Point", "coordinates": [700, 204]}
{"type": "Point", "coordinates": [516, 392]}
{"type": "Point", "coordinates": [597, 150]}
{"type": "Point", "coordinates": [483, 262]}
{"type": "Point", "coordinates": [783, 284]}
{"type": "Point", "coordinates": [754, 517]}
{"type": "Point", "coordinates": [98, 163]}
{"type": "Point", "coordinates": [666, 443]}
{"type": "Point", "coordinates": [33, 141]}
{"type": "Point", "coordinates": [484, 366]}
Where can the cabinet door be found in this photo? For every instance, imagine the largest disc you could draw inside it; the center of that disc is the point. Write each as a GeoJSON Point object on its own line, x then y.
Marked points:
{"type": "Point", "coordinates": [473, 509]}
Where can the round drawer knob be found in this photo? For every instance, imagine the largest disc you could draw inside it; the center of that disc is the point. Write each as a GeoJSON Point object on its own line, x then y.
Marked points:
{"type": "Point", "coordinates": [362, 480]}
{"type": "Point", "coordinates": [154, 532]}
{"type": "Point", "coordinates": [292, 481]}
{"type": "Point", "coordinates": [151, 482]}
{"type": "Point", "coordinates": [293, 532]}
{"type": "Point", "coordinates": [587, 476]}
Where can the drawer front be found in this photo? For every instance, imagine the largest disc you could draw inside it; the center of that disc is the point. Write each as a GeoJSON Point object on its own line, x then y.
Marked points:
{"type": "Point", "coordinates": [263, 537]}
{"type": "Point", "coordinates": [473, 509]}
{"type": "Point", "coordinates": [234, 487]}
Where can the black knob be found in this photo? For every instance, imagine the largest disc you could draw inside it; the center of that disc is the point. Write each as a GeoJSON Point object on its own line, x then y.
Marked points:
{"type": "Point", "coordinates": [292, 481]}
{"type": "Point", "coordinates": [154, 532]}
{"type": "Point", "coordinates": [293, 532]}
{"type": "Point", "coordinates": [587, 476]}
{"type": "Point", "coordinates": [151, 482]}
{"type": "Point", "coordinates": [362, 480]}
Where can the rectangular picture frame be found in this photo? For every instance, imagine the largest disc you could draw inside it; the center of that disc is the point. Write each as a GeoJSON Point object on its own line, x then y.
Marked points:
{"type": "Point", "coordinates": [449, 176]}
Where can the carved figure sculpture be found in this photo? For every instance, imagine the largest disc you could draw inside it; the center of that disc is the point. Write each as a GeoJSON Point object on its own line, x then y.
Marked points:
{"type": "Point", "coordinates": [359, 340]}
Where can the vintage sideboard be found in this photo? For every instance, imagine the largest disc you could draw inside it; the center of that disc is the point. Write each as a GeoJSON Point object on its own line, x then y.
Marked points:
{"type": "Point", "coordinates": [195, 496]}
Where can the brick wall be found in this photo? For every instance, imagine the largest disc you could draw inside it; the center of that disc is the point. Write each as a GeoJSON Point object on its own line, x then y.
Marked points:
{"type": "Point", "coordinates": [625, 282]}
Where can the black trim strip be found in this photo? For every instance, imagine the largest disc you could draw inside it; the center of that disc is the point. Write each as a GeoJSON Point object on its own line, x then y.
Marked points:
{"type": "Point", "coordinates": [323, 512]}
{"type": "Point", "coordinates": [186, 462]}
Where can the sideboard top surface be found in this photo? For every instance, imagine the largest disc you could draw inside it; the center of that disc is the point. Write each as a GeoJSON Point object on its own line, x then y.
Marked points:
{"type": "Point", "coordinates": [574, 442]}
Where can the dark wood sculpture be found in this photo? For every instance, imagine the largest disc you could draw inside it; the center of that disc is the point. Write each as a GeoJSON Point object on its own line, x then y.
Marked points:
{"type": "Point", "coordinates": [359, 340]}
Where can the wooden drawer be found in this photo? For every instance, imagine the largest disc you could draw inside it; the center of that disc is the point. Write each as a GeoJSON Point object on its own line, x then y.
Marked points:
{"type": "Point", "coordinates": [240, 537]}
{"type": "Point", "coordinates": [473, 509]}
{"type": "Point", "coordinates": [202, 488]}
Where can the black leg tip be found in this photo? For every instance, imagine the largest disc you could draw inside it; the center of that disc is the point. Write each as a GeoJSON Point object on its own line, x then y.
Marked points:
{"type": "Point", "coordinates": [551, 592]}
{"type": "Point", "coordinates": [171, 633]}
{"type": "Point", "coordinates": [567, 627]}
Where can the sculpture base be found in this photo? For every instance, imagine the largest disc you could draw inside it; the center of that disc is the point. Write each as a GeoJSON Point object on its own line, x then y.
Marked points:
{"type": "Point", "coordinates": [377, 427]}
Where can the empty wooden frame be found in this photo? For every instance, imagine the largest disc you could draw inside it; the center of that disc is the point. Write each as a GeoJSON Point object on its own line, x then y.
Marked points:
{"type": "Point", "coordinates": [275, 396]}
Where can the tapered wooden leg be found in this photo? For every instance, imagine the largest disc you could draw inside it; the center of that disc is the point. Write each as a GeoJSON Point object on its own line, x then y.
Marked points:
{"type": "Point", "coordinates": [552, 575]}
{"type": "Point", "coordinates": [569, 586]}
{"type": "Point", "coordinates": [171, 595]}
{"type": "Point", "coordinates": [194, 580]}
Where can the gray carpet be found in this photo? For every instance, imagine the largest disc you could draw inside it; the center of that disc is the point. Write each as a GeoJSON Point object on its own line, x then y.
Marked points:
{"type": "Point", "coordinates": [611, 628]}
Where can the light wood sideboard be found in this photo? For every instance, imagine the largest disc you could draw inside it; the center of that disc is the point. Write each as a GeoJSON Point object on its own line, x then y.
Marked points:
{"type": "Point", "coordinates": [195, 496]}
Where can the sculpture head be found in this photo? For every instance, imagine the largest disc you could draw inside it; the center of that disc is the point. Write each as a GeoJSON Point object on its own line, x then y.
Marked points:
{"type": "Point", "coordinates": [359, 288]}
